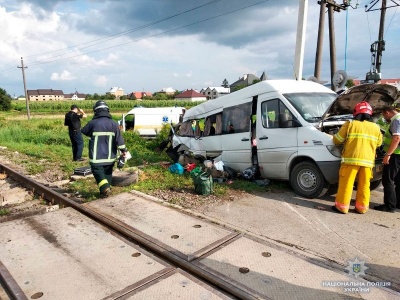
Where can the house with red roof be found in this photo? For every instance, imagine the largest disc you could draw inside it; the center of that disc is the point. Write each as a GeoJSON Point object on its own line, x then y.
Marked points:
{"type": "Point", "coordinates": [139, 95]}
{"type": "Point", "coordinates": [191, 95]}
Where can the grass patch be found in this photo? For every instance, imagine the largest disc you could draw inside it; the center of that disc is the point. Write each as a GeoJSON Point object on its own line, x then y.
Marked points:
{"type": "Point", "coordinates": [42, 145]}
{"type": "Point", "coordinates": [156, 177]}
{"type": "Point", "coordinates": [87, 188]}
{"type": "Point", "coordinates": [4, 211]}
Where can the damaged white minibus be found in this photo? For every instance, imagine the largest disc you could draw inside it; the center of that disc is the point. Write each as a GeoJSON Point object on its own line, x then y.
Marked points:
{"type": "Point", "coordinates": [275, 124]}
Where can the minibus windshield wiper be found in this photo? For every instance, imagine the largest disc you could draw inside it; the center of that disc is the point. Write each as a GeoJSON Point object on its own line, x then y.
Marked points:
{"type": "Point", "coordinates": [314, 119]}
{"type": "Point", "coordinates": [339, 117]}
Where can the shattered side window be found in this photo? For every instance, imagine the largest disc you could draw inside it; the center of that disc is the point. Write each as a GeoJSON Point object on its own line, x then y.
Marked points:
{"type": "Point", "coordinates": [218, 124]}
{"type": "Point", "coordinates": [186, 129]}
{"type": "Point", "coordinates": [210, 125]}
{"type": "Point", "coordinates": [236, 119]}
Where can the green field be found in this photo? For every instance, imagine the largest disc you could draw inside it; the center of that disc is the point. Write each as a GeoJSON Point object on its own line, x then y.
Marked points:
{"type": "Point", "coordinates": [87, 105]}
{"type": "Point", "coordinates": [41, 145]}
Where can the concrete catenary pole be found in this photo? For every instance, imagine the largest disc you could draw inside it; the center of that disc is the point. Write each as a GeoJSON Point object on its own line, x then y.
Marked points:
{"type": "Point", "coordinates": [300, 39]}
{"type": "Point", "coordinates": [318, 54]}
{"type": "Point", "coordinates": [26, 93]}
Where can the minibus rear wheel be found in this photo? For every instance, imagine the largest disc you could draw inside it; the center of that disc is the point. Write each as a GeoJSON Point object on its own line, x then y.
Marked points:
{"type": "Point", "coordinates": [307, 180]}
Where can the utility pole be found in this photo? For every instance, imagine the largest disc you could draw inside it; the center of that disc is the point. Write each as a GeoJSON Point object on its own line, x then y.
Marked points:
{"type": "Point", "coordinates": [332, 7]}
{"type": "Point", "coordinates": [26, 93]}
{"type": "Point", "coordinates": [318, 54]}
{"type": "Point", "coordinates": [379, 46]}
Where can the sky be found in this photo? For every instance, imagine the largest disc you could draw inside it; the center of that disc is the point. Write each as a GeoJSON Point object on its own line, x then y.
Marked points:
{"type": "Point", "coordinates": [147, 45]}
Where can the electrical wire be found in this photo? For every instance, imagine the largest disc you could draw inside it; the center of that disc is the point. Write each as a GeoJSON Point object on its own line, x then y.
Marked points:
{"type": "Point", "coordinates": [369, 29]}
{"type": "Point", "coordinates": [113, 36]}
{"type": "Point", "coordinates": [390, 22]}
{"type": "Point", "coordinates": [136, 40]}
{"type": "Point", "coordinates": [149, 36]}
{"type": "Point", "coordinates": [110, 37]}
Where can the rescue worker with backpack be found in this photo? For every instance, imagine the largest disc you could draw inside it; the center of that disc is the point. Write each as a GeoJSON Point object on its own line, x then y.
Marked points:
{"type": "Point", "coordinates": [360, 139]}
{"type": "Point", "coordinates": [105, 140]}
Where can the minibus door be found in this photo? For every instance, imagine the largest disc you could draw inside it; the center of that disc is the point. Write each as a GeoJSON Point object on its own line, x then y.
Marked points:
{"type": "Point", "coordinates": [236, 136]}
{"type": "Point", "coordinates": [276, 137]}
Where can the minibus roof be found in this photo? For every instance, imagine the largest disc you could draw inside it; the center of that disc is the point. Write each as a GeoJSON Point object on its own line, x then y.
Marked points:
{"type": "Point", "coordinates": [246, 95]}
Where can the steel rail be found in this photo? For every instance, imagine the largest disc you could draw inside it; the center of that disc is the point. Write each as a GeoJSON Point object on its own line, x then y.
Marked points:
{"type": "Point", "coordinates": [10, 286]}
{"type": "Point", "coordinates": [56, 198]}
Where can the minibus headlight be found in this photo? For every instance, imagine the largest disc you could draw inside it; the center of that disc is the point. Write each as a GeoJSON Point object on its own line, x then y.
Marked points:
{"type": "Point", "coordinates": [335, 150]}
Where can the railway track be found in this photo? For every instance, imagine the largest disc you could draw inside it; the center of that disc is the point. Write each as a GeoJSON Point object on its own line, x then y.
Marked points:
{"type": "Point", "coordinates": [130, 247]}
{"type": "Point", "coordinates": [55, 198]}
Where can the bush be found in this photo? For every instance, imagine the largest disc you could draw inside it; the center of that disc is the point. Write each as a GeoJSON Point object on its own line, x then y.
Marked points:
{"type": "Point", "coordinates": [5, 100]}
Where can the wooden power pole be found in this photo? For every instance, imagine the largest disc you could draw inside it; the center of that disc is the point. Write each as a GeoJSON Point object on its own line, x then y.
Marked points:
{"type": "Point", "coordinates": [26, 93]}
{"type": "Point", "coordinates": [318, 54]}
{"type": "Point", "coordinates": [332, 7]}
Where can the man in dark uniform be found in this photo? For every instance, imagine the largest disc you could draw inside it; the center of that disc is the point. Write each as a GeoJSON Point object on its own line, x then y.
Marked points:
{"type": "Point", "coordinates": [105, 140]}
{"type": "Point", "coordinates": [73, 121]}
{"type": "Point", "coordinates": [391, 162]}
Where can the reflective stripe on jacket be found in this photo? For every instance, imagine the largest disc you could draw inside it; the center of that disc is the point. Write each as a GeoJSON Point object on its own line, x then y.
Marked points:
{"type": "Point", "coordinates": [388, 137]}
{"type": "Point", "coordinates": [360, 139]}
{"type": "Point", "coordinates": [105, 140]}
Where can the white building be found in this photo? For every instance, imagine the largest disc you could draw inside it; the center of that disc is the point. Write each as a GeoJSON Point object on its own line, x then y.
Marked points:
{"type": "Point", "coordinates": [215, 92]}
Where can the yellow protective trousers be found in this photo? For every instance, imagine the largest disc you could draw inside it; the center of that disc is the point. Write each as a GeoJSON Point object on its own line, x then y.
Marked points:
{"type": "Point", "coordinates": [347, 175]}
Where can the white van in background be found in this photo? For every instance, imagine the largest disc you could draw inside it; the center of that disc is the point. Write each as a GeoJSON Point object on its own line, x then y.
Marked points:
{"type": "Point", "coordinates": [149, 121]}
{"type": "Point", "coordinates": [284, 117]}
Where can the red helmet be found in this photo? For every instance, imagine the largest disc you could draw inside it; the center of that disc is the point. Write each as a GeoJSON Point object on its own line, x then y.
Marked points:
{"type": "Point", "coordinates": [362, 108]}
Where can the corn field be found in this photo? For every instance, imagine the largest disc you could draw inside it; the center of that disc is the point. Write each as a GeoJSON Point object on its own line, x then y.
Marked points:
{"type": "Point", "coordinates": [87, 105]}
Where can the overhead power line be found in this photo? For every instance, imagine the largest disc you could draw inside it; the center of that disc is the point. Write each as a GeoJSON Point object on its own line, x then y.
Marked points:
{"type": "Point", "coordinates": [117, 35]}
{"type": "Point", "coordinates": [111, 37]}
{"type": "Point", "coordinates": [146, 37]}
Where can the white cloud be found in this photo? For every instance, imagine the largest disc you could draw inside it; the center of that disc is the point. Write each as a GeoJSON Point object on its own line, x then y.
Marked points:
{"type": "Point", "coordinates": [101, 81]}
{"type": "Point", "coordinates": [262, 39]}
{"type": "Point", "coordinates": [65, 75]}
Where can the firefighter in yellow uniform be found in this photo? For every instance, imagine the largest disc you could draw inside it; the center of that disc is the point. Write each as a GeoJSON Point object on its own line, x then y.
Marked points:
{"type": "Point", "coordinates": [360, 138]}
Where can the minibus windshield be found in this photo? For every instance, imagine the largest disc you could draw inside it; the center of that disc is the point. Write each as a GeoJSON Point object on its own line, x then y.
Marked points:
{"type": "Point", "coordinates": [311, 106]}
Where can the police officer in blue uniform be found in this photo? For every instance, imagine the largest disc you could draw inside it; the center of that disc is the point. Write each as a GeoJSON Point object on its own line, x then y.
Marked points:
{"type": "Point", "coordinates": [105, 141]}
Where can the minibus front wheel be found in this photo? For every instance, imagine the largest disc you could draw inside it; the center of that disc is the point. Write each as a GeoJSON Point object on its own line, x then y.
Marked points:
{"type": "Point", "coordinates": [307, 180]}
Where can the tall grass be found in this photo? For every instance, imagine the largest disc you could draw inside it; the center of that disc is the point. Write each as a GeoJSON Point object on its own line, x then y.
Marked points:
{"type": "Point", "coordinates": [48, 139]}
